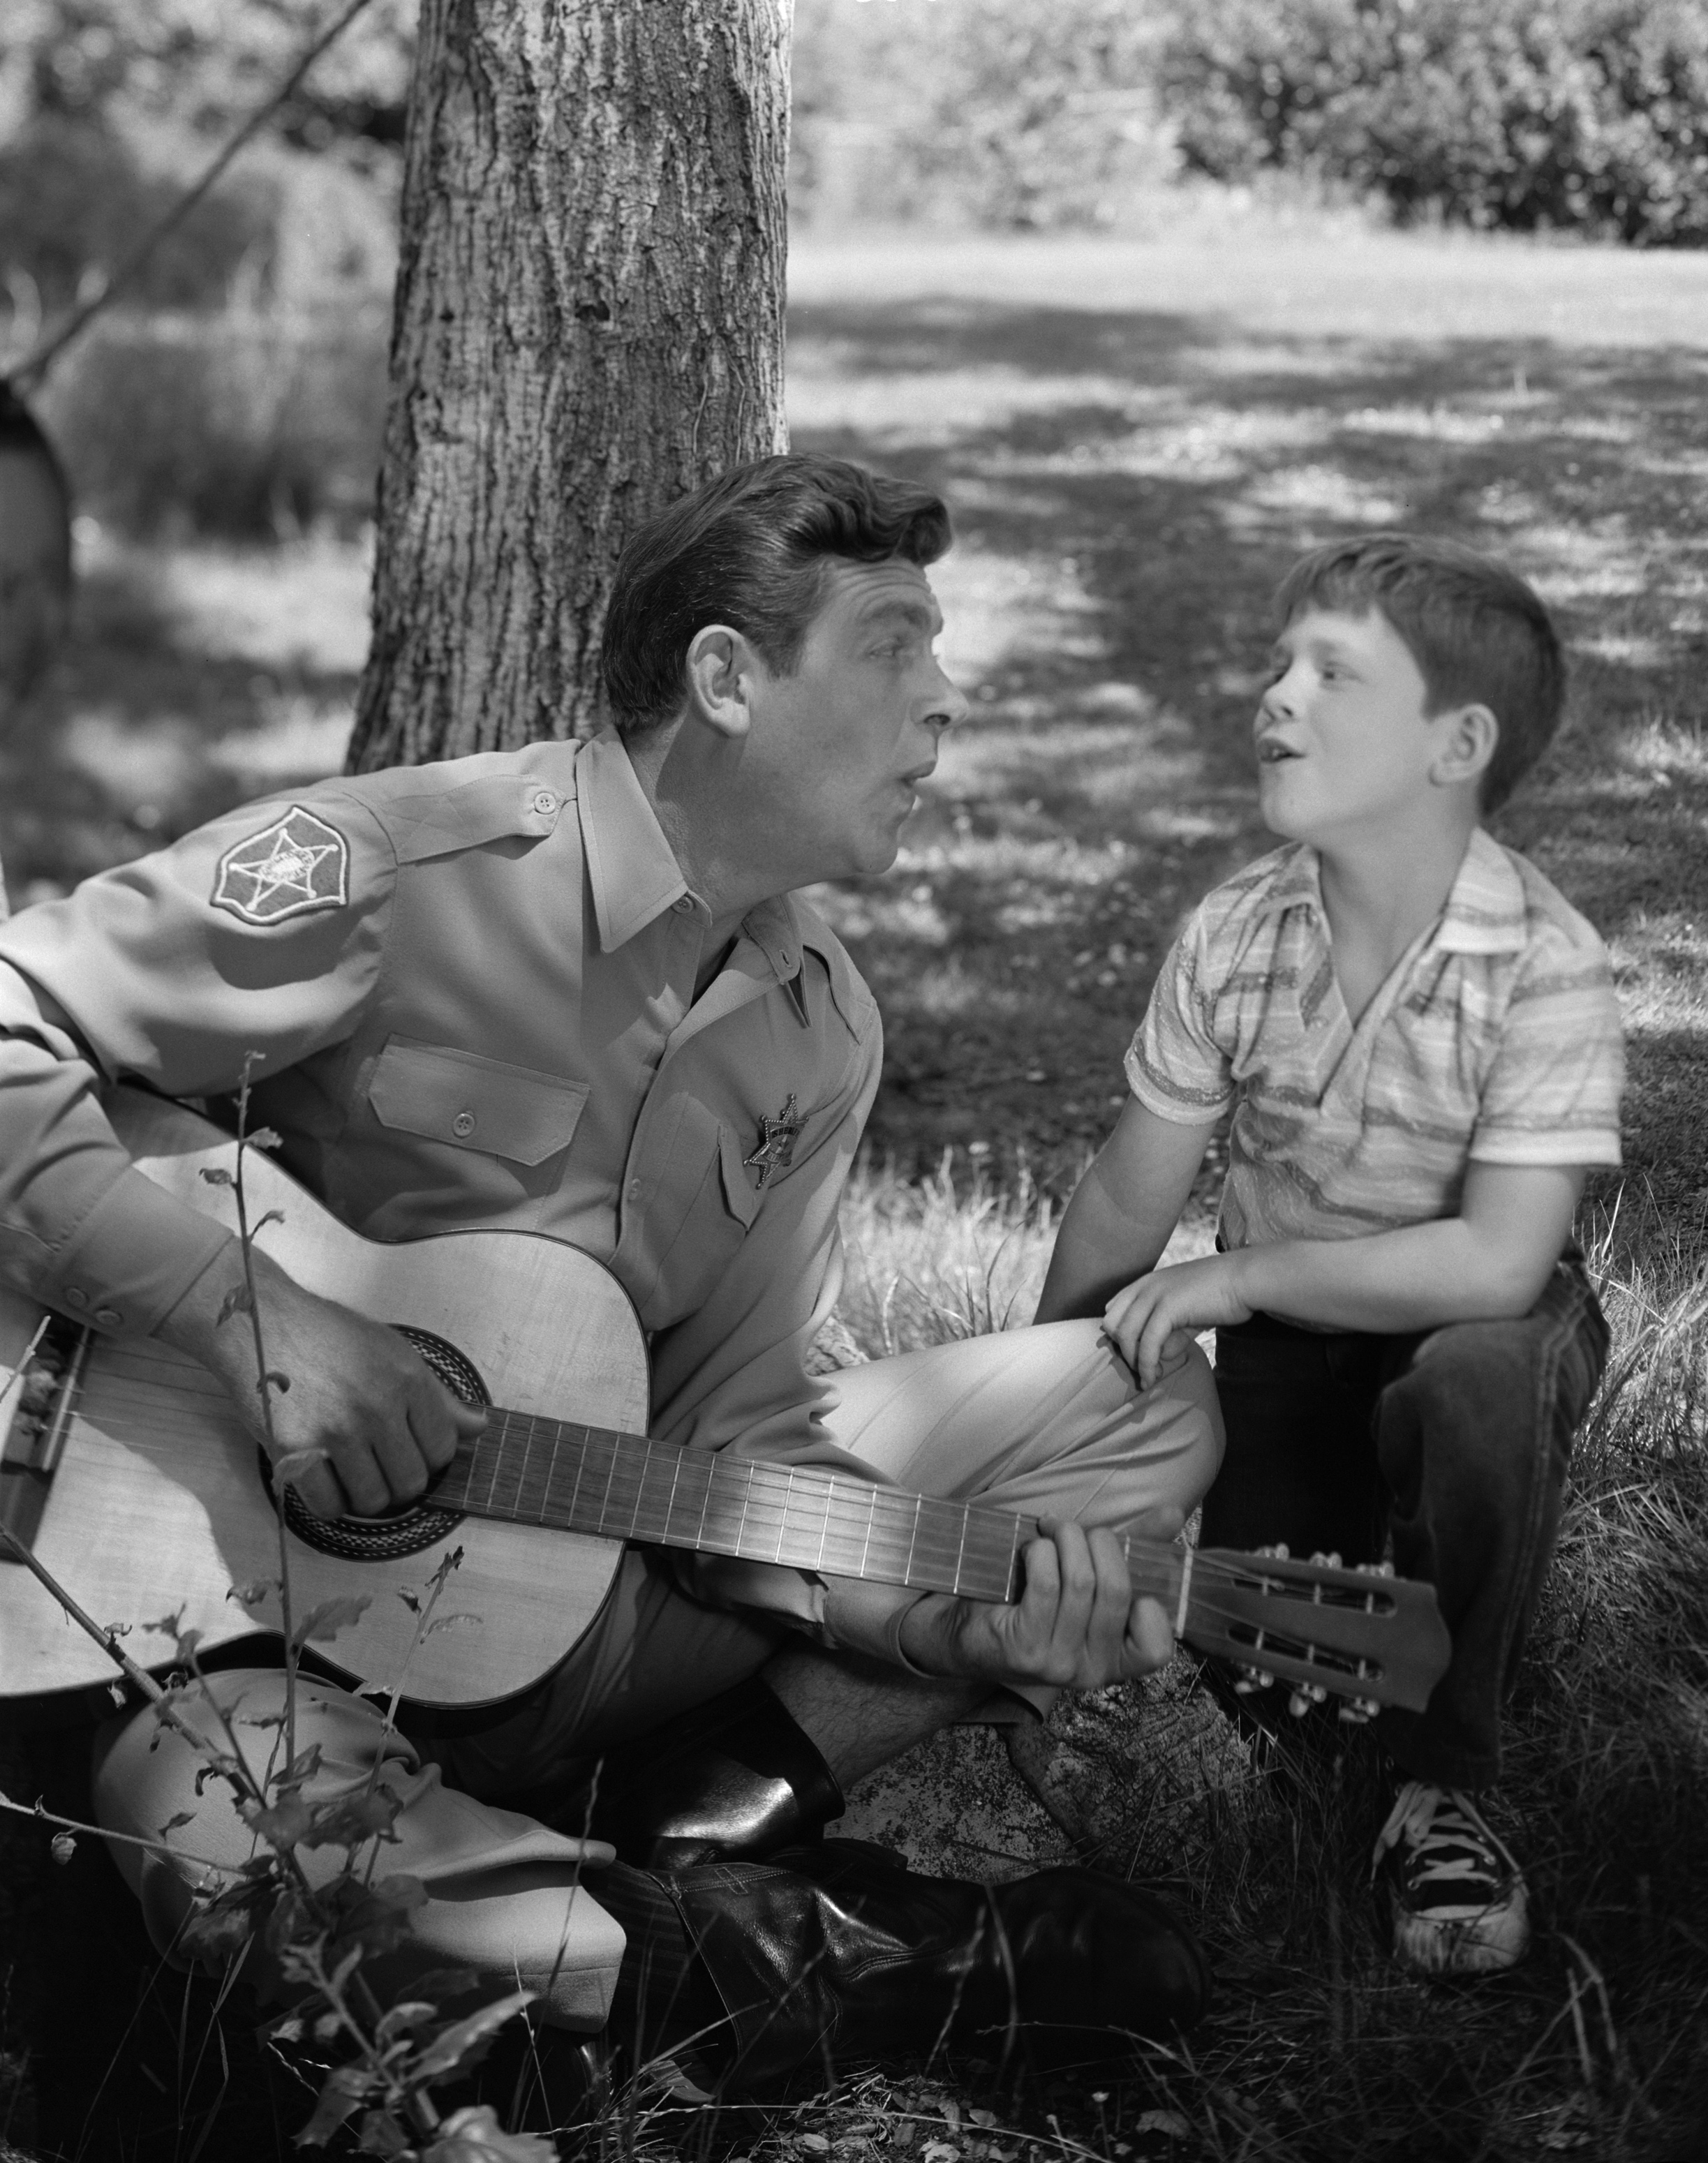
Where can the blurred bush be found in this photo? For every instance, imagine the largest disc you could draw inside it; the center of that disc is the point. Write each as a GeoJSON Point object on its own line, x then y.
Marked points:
{"type": "Point", "coordinates": [993, 113]}
{"type": "Point", "coordinates": [238, 385]}
{"type": "Point", "coordinates": [1581, 116]}
{"type": "Point", "coordinates": [249, 423]}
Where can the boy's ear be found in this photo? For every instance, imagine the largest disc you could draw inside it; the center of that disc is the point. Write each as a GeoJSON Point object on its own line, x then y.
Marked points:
{"type": "Point", "coordinates": [1469, 736]}
{"type": "Point", "coordinates": [719, 669]}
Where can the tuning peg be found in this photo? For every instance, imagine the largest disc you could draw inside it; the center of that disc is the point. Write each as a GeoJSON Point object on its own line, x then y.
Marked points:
{"type": "Point", "coordinates": [1278, 1551]}
{"type": "Point", "coordinates": [1253, 1678]}
{"type": "Point", "coordinates": [1326, 1561]}
{"type": "Point", "coordinates": [1358, 1711]}
{"type": "Point", "coordinates": [1304, 1696]}
{"type": "Point", "coordinates": [1374, 1568]}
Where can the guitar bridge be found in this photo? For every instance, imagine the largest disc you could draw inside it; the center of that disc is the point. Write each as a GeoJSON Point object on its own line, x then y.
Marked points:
{"type": "Point", "coordinates": [43, 1400]}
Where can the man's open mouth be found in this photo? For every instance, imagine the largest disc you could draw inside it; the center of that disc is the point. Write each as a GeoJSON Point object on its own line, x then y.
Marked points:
{"type": "Point", "coordinates": [1271, 749]}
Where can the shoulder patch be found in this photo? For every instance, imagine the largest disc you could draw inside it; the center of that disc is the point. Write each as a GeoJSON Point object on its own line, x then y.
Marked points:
{"type": "Point", "coordinates": [295, 866]}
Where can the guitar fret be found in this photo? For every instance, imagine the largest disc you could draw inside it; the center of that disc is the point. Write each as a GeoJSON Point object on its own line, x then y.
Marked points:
{"type": "Point", "coordinates": [746, 1499]}
{"type": "Point", "coordinates": [605, 1500]}
{"type": "Point", "coordinates": [580, 1468]}
{"type": "Point", "coordinates": [670, 1498]}
{"type": "Point", "coordinates": [521, 1477]}
{"type": "Point", "coordinates": [918, 1504]}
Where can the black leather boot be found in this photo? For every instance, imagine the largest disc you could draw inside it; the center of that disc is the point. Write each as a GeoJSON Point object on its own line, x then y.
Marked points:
{"type": "Point", "coordinates": [734, 1779]}
{"type": "Point", "coordinates": [835, 1955]}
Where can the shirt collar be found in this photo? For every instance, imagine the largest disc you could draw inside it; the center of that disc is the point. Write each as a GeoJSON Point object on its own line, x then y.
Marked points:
{"type": "Point", "coordinates": [1485, 911]}
{"type": "Point", "coordinates": [1294, 883]}
{"type": "Point", "coordinates": [1485, 908]}
{"type": "Point", "coordinates": [633, 870]}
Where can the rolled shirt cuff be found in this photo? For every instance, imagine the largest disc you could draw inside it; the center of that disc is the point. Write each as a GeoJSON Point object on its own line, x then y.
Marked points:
{"type": "Point", "coordinates": [131, 1259]}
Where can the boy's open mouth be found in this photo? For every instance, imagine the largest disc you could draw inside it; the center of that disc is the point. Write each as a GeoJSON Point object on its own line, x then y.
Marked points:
{"type": "Point", "coordinates": [1271, 749]}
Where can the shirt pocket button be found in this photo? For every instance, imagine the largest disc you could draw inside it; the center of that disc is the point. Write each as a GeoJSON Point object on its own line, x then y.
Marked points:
{"type": "Point", "coordinates": [463, 1125]}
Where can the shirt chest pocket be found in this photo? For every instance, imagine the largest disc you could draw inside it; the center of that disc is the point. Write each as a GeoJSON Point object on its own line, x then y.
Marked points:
{"type": "Point", "coordinates": [470, 1102]}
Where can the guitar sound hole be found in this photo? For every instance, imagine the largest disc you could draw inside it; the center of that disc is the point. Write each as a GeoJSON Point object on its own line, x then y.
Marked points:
{"type": "Point", "coordinates": [396, 1533]}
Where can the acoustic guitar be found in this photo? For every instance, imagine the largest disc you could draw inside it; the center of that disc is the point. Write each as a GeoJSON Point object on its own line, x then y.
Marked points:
{"type": "Point", "coordinates": [126, 1470]}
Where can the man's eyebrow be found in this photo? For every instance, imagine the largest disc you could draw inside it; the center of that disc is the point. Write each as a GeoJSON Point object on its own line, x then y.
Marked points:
{"type": "Point", "coordinates": [910, 611]}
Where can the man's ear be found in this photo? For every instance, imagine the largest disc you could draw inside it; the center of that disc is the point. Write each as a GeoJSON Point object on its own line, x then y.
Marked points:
{"type": "Point", "coordinates": [719, 665]}
{"type": "Point", "coordinates": [1470, 736]}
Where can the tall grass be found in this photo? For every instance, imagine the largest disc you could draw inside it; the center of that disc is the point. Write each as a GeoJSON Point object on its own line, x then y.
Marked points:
{"type": "Point", "coordinates": [1318, 2049]}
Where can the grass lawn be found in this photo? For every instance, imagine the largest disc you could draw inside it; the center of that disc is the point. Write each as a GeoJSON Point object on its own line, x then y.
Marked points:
{"type": "Point", "coordinates": [1136, 440]}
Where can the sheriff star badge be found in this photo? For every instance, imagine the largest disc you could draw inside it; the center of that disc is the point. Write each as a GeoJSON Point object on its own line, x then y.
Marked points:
{"type": "Point", "coordinates": [776, 1141]}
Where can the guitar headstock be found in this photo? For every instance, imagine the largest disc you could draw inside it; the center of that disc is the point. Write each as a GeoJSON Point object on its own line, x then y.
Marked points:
{"type": "Point", "coordinates": [1354, 1634]}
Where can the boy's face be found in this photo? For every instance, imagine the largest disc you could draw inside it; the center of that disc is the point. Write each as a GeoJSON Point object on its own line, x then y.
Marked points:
{"type": "Point", "coordinates": [1344, 743]}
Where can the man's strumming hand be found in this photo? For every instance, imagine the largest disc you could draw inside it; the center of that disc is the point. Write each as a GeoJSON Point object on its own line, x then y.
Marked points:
{"type": "Point", "coordinates": [1077, 1623]}
{"type": "Point", "coordinates": [358, 1391]}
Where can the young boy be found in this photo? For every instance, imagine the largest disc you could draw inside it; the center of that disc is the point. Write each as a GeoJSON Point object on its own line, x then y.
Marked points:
{"type": "Point", "coordinates": [1420, 1043]}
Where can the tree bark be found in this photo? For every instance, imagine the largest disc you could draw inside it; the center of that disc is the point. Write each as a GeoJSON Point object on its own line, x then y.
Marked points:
{"type": "Point", "coordinates": [589, 323]}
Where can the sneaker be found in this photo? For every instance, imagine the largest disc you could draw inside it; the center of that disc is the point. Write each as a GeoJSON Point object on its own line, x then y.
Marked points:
{"type": "Point", "coordinates": [1457, 1895]}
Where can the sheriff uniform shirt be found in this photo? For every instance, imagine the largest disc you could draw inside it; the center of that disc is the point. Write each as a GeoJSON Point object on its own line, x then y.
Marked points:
{"type": "Point", "coordinates": [471, 986]}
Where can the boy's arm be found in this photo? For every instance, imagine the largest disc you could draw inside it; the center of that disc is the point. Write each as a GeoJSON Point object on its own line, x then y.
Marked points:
{"type": "Point", "coordinates": [1490, 1262]}
{"type": "Point", "coordinates": [1122, 1211]}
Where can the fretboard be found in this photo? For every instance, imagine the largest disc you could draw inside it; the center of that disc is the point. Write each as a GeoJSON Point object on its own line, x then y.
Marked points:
{"type": "Point", "coordinates": [539, 1471]}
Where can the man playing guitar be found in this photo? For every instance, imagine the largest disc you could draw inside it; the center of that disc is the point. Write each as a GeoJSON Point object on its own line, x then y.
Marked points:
{"type": "Point", "coordinates": [576, 990]}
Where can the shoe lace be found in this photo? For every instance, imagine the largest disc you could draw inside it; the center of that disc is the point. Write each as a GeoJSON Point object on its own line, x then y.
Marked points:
{"type": "Point", "coordinates": [1446, 1834]}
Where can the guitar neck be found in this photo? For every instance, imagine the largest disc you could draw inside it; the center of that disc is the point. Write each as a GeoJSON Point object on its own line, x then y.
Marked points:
{"type": "Point", "coordinates": [536, 1471]}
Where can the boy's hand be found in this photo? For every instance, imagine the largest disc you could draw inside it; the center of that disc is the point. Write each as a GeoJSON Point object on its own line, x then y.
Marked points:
{"type": "Point", "coordinates": [1152, 1322]}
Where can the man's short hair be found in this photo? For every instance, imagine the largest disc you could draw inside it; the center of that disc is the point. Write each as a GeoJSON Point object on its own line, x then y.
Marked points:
{"type": "Point", "coordinates": [750, 549]}
{"type": "Point", "coordinates": [1479, 634]}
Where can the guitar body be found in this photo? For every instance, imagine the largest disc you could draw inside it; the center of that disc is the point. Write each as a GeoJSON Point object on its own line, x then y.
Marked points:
{"type": "Point", "coordinates": [153, 1510]}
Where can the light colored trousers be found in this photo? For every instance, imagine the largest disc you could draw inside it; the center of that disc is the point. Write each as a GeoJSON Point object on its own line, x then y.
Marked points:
{"type": "Point", "coordinates": [1039, 1422]}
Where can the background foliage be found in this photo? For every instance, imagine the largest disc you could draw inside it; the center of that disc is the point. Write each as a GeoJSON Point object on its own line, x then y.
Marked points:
{"type": "Point", "coordinates": [237, 387]}
{"type": "Point", "coordinates": [1584, 116]}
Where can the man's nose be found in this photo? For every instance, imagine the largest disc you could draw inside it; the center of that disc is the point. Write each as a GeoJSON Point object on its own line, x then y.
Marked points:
{"type": "Point", "coordinates": [949, 705]}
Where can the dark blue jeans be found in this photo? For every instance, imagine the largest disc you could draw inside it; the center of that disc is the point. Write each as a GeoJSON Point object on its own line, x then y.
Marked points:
{"type": "Point", "coordinates": [1456, 1442]}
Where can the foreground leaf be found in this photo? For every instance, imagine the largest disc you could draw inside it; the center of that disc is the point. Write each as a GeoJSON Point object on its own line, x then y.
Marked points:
{"type": "Point", "coordinates": [347, 2088]}
{"type": "Point", "coordinates": [322, 1624]}
{"type": "Point", "coordinates": [283, 1824]}
{"type": "Point", "coordinates": [451, 2047]}
{"type": "Point", "coordinates": [473, 2134]}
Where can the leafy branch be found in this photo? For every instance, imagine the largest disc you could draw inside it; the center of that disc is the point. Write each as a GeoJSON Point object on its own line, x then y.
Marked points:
{"type": "Point", "coordinates": [319, 1937]}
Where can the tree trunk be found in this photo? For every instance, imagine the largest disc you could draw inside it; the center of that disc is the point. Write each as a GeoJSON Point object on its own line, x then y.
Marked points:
{"type": "Point", "coordinates": [589, 321]}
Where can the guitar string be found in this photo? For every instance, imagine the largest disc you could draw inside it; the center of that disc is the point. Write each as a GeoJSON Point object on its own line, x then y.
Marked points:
{"type": "Point", "coordinates": [842, 1498]}
{"type": "Point", "coordinates": [1285, 1643]}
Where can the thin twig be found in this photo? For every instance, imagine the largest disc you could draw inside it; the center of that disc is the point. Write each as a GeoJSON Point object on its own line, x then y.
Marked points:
{"type": "Point", "coordinates": [103, 1832]}
{"type": "Point", "coordinates": [263, 1383]}
{"type": "Point", "coordinates": [35, 364]}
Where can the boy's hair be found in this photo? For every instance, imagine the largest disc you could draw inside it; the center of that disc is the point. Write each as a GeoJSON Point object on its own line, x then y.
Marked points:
{"type": "Point", "coordinates": [749, 549]}
{"type": "Point", "coordinates": [1478, 633]}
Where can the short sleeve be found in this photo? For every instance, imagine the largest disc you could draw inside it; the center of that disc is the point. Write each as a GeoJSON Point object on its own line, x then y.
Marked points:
{"type": "Point", "coordinates": [1174, 1066]}
{"type": "Point", "coordinates": [1551, 1095]}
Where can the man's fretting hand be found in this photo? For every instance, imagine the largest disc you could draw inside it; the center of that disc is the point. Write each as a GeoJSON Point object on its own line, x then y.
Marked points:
{"type": "Point", "coordinates": [1077, 1622]}
{"type": "Point", "coordinates": [358, 1391]}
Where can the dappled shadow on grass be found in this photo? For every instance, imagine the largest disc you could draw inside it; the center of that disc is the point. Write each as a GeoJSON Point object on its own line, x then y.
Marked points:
{"type": "Point", "coordinates": [1128, 489]}
{"type": "Point", "coordinates": [191, 681]}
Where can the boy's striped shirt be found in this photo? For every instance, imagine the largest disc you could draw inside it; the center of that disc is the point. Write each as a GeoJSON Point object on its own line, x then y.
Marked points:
{"type": "Point", "coordinates": [1495, 1038]}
